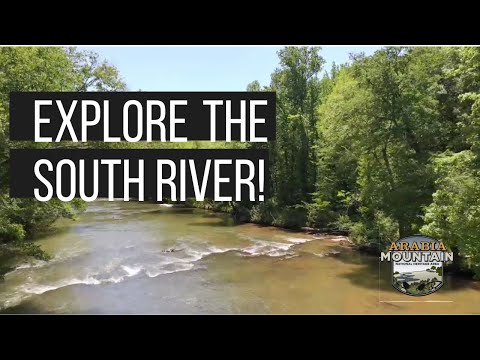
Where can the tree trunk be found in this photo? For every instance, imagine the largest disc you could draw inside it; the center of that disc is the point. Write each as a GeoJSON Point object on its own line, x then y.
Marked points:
{"type": "Point", "coordinates": [391, 178]}
{"type": "Point", "coordinates": [403, 228]}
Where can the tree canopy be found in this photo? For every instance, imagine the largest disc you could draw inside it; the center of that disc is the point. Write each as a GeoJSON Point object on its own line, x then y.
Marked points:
{"type": "Point", "coordinates": [41, 69]}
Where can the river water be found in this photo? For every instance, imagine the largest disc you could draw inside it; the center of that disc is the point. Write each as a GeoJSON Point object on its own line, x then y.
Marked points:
{"type": "Point", "coordinates": [117, 258]}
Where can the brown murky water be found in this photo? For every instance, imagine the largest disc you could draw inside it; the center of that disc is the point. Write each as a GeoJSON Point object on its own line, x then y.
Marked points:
{"type": "Point", "coordinates": [115, 259]}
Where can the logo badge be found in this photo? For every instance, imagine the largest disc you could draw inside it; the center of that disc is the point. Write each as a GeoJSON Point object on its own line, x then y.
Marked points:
{"type": "Point", "coordinates": [417, 264]}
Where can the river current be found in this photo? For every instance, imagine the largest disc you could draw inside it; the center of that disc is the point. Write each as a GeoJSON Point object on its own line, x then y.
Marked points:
{"type": "Point", "coordinates": [133, 257]}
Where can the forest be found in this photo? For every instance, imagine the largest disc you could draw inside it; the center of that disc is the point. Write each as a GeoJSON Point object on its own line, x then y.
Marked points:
{"type": "Point", "coordinates": [382, 147]}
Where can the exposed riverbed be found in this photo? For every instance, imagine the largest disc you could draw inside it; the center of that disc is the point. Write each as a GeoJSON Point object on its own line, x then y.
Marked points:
{"type": "Point", "coordinates": [130, 257]}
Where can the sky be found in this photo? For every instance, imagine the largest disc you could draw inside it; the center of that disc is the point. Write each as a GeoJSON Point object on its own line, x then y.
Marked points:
{"type": "Point", "coordinates": [204, 68]}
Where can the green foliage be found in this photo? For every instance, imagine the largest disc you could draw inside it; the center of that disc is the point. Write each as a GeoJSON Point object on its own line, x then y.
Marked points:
{"type": "Point", "coordinates": [11, 231]}
{"type": "Point", "coordinates": [262, 213]}
{"type": "Point", "coordinates": [298, 92]}
{"type": "Point", "coordinates": [24, 248]}
{"type": "Point", "coordinates": [270, 213]}
{"type": "Point", "coordinates": [454, 214]}
{"type": "Point", "coordinates": [291, 217]}
{"type": "Point", "coordinates": [93, 74]}
{"type": "Point", "coordinates": [379, 230]}
{"type": "Point", "coordinates": [388, 117]}
{"type": "Point", "coordinates": [319, 213]}
{"type": "Point", "coordinates": [33, 216]}
{"type": "Point", "coordinates": [41, 69]}
{"type": "Point", "coordinates": [383, 121]}
{"type": "Point", "coordinates": [254, 86]}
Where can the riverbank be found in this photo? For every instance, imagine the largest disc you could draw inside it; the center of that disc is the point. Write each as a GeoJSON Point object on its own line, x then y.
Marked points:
{"type": "Point", "coordinates": [243, 215]}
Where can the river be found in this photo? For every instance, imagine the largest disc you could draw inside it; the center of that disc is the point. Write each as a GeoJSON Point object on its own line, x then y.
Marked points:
{"type": "Point", "coordinates": [117, 258]}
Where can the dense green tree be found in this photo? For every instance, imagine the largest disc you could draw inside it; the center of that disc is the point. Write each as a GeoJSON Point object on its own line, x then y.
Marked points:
{"type": "Point", "coordinates": [378, 127]}
{"type": "Point", "coordinates": [42, 69]}
{"type": "Point", "coordinates": [297, 87]}
{"type": "Point", "coordinates": [454, 214]}
{"type": "Point", "coordinates": [94, 74]}
{"type": "Point", "coordinates": [254, 86]}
